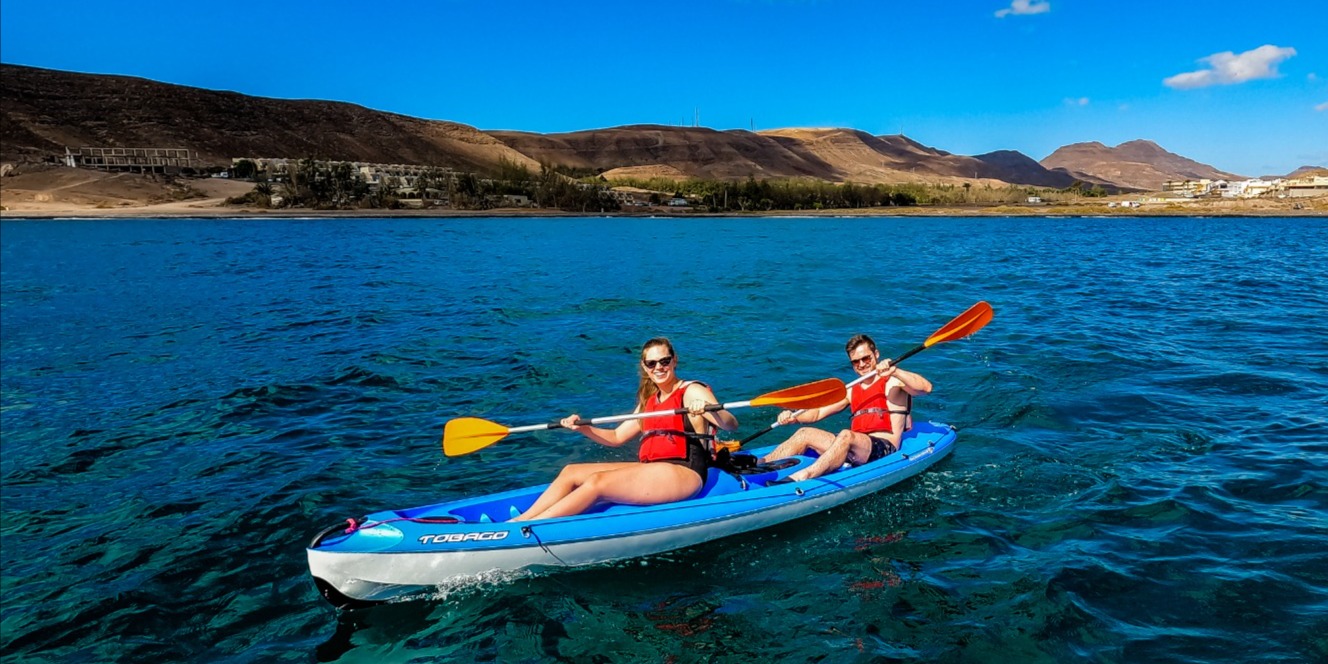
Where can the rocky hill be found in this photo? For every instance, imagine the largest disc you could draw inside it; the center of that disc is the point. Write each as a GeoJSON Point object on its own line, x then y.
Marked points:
{"type": "Point", "coordinates": [693, 151]}
{"type": "Point", "coordinates": [1137, 164]}
{"type": "Point", "coordinates": [1303, 171]}
{"type": "Point", "coordinates": [836, 155]}
{"type": "Point", "coordinates": [861, 157]}
{"type": "Point", "coordinates": [44, 111]}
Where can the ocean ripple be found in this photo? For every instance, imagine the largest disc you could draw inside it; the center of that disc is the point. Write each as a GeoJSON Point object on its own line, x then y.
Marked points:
{"type": "Point", "coordinates": [1140, 476]}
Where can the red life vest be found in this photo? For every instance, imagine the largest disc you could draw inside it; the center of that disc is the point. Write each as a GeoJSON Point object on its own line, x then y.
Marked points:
{"type": "Point", "coordinates": [667, 436]}
{"type": "Point", "coordinates": [868, 408]}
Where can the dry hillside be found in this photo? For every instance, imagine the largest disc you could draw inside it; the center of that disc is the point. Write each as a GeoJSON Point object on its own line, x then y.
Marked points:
{"type": "Point", "coordinates": [43, 111]}
{"type": "Point", "coordinates": [1138, 164]}
{"type": "Point", "coordinates": [39, 188]}
{"type": "Point", "coordinates": [694, 151]}
{"type": "Point", "coordinates": [836, 155]}
{"type": "Point", "coordinates": [861, 157]}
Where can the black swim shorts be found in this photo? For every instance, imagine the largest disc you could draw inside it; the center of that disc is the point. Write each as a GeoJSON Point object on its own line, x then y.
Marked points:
{"type": "Point", "coordinates": [697, 459]}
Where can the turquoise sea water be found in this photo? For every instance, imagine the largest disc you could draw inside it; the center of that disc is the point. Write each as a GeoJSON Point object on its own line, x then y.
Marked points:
{"type": "Point", "coordinates": [1140, 475]}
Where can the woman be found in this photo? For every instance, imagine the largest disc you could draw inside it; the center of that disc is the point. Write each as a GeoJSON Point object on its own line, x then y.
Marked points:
{"type": "Point", "coordinates": [675, 449]}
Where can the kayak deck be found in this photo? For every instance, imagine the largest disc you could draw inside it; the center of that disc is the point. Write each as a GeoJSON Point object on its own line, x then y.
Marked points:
{"type": "Point", "coordinates": [502, 507]}
{"type": "Point", "coordinates": [392, 553]}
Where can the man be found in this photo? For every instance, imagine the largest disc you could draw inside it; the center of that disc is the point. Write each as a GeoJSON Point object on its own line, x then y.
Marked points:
{"type": "Point", "coordinates": [881, 409]}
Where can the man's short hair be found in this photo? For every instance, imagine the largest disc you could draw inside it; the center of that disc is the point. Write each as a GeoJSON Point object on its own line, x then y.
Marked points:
{"type": "Point", "coordinates": [858, 340]}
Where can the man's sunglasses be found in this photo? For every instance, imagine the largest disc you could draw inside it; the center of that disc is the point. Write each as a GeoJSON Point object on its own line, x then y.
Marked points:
{"type": "Point", "coordinates": [865, 359]}
{"type": "Point", "coordinates": [663, 362]}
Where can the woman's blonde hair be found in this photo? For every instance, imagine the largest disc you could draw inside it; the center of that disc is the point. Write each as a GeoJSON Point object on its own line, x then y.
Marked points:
{"type": "Point", "coordinates": [647, 388]}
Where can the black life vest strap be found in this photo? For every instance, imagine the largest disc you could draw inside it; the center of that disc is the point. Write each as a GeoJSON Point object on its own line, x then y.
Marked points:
{"type": "Point", "coordinates": [908, 409]}
{"type": "Point", "coordinates": [699, 437]}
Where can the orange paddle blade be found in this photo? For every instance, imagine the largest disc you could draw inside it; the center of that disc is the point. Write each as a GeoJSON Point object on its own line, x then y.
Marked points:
{"type": "Point", "coordinates": [464, 435]}
{"type": "Point", "coordinates": [963, 325]}
{"type": "Point", "coordinates": [812, 395]}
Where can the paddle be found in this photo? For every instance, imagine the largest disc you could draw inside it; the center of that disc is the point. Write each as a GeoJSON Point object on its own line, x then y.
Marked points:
{"type": "Point", "coordinates": [972, 320]}
{"type": "Point", "coordinates": [464, 435]}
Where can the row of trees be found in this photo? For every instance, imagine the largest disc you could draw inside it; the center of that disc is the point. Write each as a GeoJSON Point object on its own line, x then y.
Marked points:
{"type": "Point", "coordinates": [337, 185]}
{"type": "Point", "coordinates": [755, 195]}
{"type": "Point", "coordinates": [764, 195]}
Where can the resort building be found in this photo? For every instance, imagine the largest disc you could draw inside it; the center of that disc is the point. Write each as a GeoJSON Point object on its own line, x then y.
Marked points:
{"type": "Point", "coordinates": [637, 197]}
{"type": "Point", "coordinates": [1249, 188]}
{"type": "Point", "coordinates": [1301, 187]}
{"type": "Point", "coordinates": [1305, 187]}
{"type": "Point", "coordinates": [134, 160]}
{"type": "Point", "coordinates": [1188, 187]}
{"type": "Point", "coordinates": [395, 175]}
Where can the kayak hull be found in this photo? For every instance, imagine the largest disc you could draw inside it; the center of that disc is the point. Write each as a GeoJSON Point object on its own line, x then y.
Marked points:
{"type": "Point", "coordinates": [399, 553]}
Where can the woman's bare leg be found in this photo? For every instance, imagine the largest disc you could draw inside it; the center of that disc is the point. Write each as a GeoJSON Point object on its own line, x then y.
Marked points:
{"type": "Point", "coordinates": [571, 477]}
{"type": "Point", "coordinates": [634, 484]}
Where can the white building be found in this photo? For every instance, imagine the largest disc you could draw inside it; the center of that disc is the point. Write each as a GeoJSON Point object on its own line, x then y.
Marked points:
{"type": "Point", "coordinates": [1303, 187]}
{"type": "Point", "coordinates": [1250, 188]}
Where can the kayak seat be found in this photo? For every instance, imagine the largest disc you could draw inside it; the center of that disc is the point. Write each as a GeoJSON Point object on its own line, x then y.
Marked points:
{"type": "Point", "coordinates": [718, 482]}
{"type": "Point", "coordinates": [768, 473]}
{"type": "Point", "coordinates": [773, 466]}
{"type": "Point", "coordinates": [749, 464]}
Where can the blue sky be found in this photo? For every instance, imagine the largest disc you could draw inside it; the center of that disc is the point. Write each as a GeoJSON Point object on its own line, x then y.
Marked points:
{"type": "Point", "coordinates": [1241, 86]}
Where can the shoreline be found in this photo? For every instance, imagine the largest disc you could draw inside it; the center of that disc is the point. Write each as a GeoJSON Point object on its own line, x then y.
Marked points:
{"type": "Point", "coordinates": [1317, 209]}
{"type": "Point", "coordinates": [68, 193]}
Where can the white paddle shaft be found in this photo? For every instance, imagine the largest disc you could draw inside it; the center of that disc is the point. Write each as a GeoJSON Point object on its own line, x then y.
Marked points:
{"type": "Point", "coordinates": [609, 419]}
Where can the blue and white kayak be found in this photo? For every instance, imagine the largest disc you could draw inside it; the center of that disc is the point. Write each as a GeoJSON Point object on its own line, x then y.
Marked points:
{"type": "Point", "coordinates": [397, 553]}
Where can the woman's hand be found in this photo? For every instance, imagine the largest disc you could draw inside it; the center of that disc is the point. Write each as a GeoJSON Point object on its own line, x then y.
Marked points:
{"type": "Point", "coordinates": [697, 407]}
{"type": "Point", "coordinates": [786, 417]}
{"type": "Point", "coordinates": [570, 422]}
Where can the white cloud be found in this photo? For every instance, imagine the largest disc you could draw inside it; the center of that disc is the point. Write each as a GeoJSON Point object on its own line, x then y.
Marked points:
{"type": "Point", "coordinates": [1312, 77]}
{"type": "Point", "coordinates": [1322, 107]}
{"type": "Point", "coordinates": [1019, 7]}
{"type": "Point", "coordinates": [1080, 101]}
{"type": "Point", "coordinates": [1226, 68]}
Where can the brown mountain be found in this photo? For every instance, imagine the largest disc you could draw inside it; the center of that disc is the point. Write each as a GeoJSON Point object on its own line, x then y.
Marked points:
{"type": "Point", "coordinates": [693, 151]}
{"type": "Point", "coordinates": [836, 155]}
{"type": "Point", "coordinates": [1137, 164]}
{"type": "Point", "coordinates": [42, 111]}
{"type": "Point", "coordinates": [1303, 171]}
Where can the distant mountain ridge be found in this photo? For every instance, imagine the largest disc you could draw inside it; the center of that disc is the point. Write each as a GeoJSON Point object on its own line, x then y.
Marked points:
{"type": "Point", "coordinates": [1138, 164]}
{"type": "Point", "coordinates": [836, 155]}
{"type": "Point", "coordinates": [1300, 172]}
{"type": "Point", "coordinates": [43, 111]}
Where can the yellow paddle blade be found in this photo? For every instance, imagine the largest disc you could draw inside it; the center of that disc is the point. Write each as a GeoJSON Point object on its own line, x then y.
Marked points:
{"type": "Point", "coordinates": [963, 325]}
{"type": "Point", "coordinates": [468, 434]}
{"type": "Point", "coordinates": [812, 395]}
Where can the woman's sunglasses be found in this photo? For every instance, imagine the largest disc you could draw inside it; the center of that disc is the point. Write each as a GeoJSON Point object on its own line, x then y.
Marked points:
{"type": "Point", "coordinates": [662, 362]}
